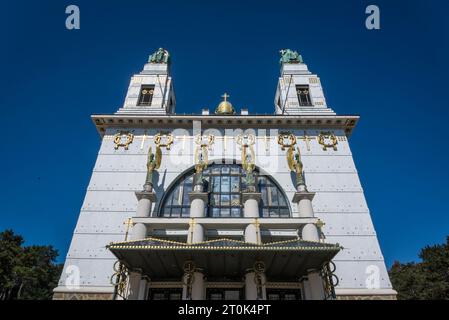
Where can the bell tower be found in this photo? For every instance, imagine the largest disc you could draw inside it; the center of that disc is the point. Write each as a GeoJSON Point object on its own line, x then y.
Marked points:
{"type": "Point", "coordinates": [151, 91]}
{"type": "Point", "coordinates": [299, 91]}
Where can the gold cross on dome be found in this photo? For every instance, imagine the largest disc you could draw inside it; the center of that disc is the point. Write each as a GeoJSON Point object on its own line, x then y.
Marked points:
{"type": "Point", "coordinates": [225, 96]}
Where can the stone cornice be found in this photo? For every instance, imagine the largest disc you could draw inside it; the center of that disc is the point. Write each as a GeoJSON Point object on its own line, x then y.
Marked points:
{"type": "Point", "coordinates": [344, 122]}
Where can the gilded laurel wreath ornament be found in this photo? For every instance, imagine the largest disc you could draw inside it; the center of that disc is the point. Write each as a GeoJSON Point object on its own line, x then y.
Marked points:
{"type": "Point", "coordinates": [286, 140]}
{"type": "Point", "coordinates": [328, 140]}
{"type": "Point", "coordinates": [123, 139]}
{"type": "Point", "coordinates": [163, 140]}
{"type": "Point", "coordinates": [204, 143]}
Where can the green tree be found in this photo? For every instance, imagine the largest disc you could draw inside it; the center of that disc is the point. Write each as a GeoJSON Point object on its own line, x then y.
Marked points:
{"type": "Point", "coordinates": [425, 280]}
{"type": "Point", "coordinates": [26, 272]}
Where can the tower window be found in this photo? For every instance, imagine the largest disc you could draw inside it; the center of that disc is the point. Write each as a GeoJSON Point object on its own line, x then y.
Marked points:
{"type": "Point", "coordinates": [303, 95]}
{"type": "Point", "coordinates": [146, 95]}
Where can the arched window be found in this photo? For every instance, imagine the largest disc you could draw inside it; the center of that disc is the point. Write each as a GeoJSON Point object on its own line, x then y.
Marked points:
{"type": "Point", "coordinates": [225, 183]}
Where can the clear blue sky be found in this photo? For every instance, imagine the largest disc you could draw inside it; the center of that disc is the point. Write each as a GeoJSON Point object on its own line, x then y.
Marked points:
{"type": "Point", "coordinates": [53, 79]}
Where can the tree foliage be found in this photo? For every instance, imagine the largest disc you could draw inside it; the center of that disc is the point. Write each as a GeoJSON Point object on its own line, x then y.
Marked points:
{"type": "Point", "coordinates": [26, 272]}
{"type": "Point", "coordinates": [425, 280]}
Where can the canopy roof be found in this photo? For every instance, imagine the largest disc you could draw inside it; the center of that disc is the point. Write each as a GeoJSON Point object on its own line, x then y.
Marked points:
{"type": "Point", "coordinates": [164, 259]}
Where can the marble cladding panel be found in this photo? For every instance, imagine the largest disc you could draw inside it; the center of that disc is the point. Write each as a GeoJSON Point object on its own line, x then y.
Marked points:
{"type": "Point", "coordinates": [359, 274]}
{"type": "Point", "coordinates": [356, 248]}
{"type": "Point", "coordinates": [107, 222]}
{"type": "Point", "coordinates": [122, 201]}
{"type": "Point", "coordinates": [271, 164]}
{"type": "Point", "coordinates": [126, 181]}
{"type": "Point", "coordinates": [339, 202]}
{"type": "Point", "coordinates": [93, 272]}
{"type": "Point", "coordinates": [93, 245]}
{"type": "Point", "coordinates": [346, 224]}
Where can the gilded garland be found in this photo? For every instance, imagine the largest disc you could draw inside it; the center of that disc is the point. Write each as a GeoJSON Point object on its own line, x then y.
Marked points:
{"type": "Point", "coordinates": [119, 142]}
{"type": "Point", "coordinates": [201, 151]}
{"type": "Point", "coordinates": [328, 140]}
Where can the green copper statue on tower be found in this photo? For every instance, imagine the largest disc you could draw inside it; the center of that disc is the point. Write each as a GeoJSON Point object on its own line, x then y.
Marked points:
{"type": "Point", "coordinates": [160, 56]}
{"type": "Point", "coordinates": [290, 56]}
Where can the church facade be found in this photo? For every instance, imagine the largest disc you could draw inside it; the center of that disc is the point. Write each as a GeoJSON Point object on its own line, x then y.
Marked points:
{"type": "Point", "coordinates": [224, 204]}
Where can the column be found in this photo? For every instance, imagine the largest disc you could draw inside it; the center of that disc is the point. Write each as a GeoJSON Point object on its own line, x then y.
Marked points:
{"type": "Point", "coordinates": [254, 279]}
{"type": "Point", "coordinates": [304, 200]}
{"type": "Point", "coordinates": [143, 290]}
{"type": "Point", "coordinates": [145, 200]}
{"type": "Point", "coordinates": [307, 293]}
{"type": "Point", "coordinates": [251, 210]}
{"type": "Point", "coordinates": [139, 231]}
{"type": "Point", "coordinates": [313, 286]}
{"type": "Point", "coordinates": [316, 285]}
{"type": "Point", "coordinates": [193, 280]}
{"type": "Point", "coordinates": [197, 287]}
{"type": "Point", "coordinates": [134, 280]}
{"type": "Point", "coordinates": [198, 201]}
{"type": "Point", "coordinates": [251, 286]}
{"type": "Point", "coordinates": [193, 287]}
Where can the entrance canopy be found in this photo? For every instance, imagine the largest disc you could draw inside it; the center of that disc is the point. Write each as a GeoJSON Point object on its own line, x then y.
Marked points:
{"type": "Point", "coordinates": [164, 259]}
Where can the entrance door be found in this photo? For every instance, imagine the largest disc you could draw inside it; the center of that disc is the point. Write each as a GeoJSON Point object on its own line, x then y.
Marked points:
{"type": "Point", "coordinates": [284, 294]}
{"type": "Point", "coordinates": [224, 294]}
{"type": "Point", "coordinates": [165, 294]}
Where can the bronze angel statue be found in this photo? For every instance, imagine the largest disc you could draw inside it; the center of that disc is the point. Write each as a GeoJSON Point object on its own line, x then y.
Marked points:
{"type": "Point", "coordinates": [295, 164]}
{"type": "Point", "coordinates": [248, 161]}
{"type": "Point", "coordinates": [153, 163]}
{"type": "Point", "coordinates": [201, 157]}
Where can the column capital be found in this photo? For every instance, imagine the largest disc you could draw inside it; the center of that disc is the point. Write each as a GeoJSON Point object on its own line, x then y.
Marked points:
{"type": "Point", "coordinates": [251, 195]}
{"type": "Point", "coordinates": [150, 195]}
{"type": "Point", "coordinates": [303, 195]}
{"type": "Point", "coordinates": [198, 195]}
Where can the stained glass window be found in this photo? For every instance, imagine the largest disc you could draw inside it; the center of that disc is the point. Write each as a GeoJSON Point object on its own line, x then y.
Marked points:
{"type": "Point", "coordinates": [225, 188]}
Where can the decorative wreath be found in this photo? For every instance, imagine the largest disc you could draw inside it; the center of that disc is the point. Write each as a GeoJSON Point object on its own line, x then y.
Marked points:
{"type": "Point", "coordinates": [158, 138]}
{"type": "Point", "coordinates": [286, 135]}
{"type": "Point", "coordinates": [118, 139]}
{"type": "Point", "coordinates": [328, 135]}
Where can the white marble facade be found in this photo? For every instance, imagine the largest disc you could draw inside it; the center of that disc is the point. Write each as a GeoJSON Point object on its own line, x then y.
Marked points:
{"type": "Point", "coordinates": [118, 173]}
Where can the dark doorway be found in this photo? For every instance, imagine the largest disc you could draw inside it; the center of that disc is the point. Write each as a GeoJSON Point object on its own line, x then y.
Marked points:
{"type": "Point", "coordinates": [165, 294]}
{"type": "Point", "coordinates": [284, 294]}
{"type": "Point", "coordinates": [224, 294]}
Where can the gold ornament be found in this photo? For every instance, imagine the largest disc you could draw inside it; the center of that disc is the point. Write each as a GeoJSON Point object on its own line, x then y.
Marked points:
{"type": "Point", "coordinates": [286, 136]}
{"type": "Point", "coordinates": [328, 135]}
{"type": "Point", "coordinates": [118, 139]}
{"type": "Point", "coordinates": [167, 138]}
{"type": "Point", "coordinates": [201, 151]}
{"type": "Point", "coordinates": [248, 159]}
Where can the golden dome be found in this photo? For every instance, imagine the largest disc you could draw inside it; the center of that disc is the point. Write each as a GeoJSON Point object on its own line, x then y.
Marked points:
{"type": "Point", "coordinates": [225, 107]}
